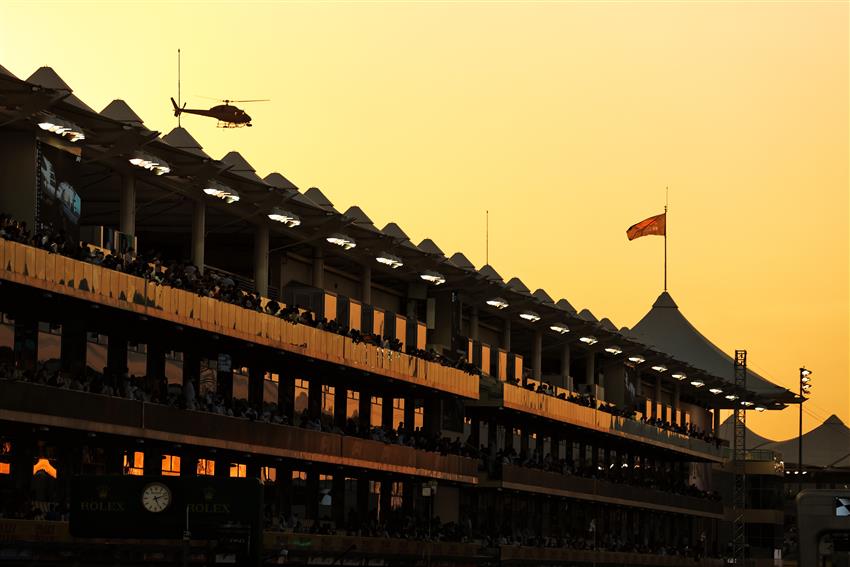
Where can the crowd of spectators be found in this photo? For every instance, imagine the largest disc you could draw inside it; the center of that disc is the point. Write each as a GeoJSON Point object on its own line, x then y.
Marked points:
{"type": "Point", "coordinates": [621, 473]}
{"type": "Point", "coordinates": [590, 401]}
{"type": "Point", "coordinates": [209, 283]}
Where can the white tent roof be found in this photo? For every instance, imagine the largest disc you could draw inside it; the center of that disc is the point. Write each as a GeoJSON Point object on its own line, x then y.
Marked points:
{"type": "Point", "coordinates": [665, 329]}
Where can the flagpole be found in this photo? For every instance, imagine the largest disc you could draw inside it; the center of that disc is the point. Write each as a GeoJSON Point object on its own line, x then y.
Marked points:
{"type": "Point", "coordinates": [666, 191]}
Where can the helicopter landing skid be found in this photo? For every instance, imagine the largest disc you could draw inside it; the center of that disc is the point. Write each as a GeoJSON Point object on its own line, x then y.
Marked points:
{"type": "Point", "coordinates": [222, 124]}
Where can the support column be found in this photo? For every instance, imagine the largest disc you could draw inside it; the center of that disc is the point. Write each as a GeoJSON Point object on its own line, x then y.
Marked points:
{"type": "Point", "coordinates": [506, 335]}
{"type": "Point", "coordinates": [256, 382]}
{"type": "Point", "coordinates": [475, 431]}
{"type": "Point", "coordinates": [261, 259]}
{"type": "Point", "coordinates": [73, 347]}
{"type": "Point", "coordinates": [473, 323]}
{"type": "Point", "coordinates": [224, 377]}
{"type": "Point", "coordinates": [286, 396]}
{"type": "Point", "coordinates": [314, 398]}
{"type": "Point", "coordinates": [716, 416]}
{"type": "Point", "coordinates": [675, 402]}
{"type": "Point", "coordinates": [657, 390]}
{"type": "Point", "coordinates": [590, 368]}
{"type": "Point", "coordinates": [318, 268]}
{"type": "Point", "coordinates": [155, 370]}
{"type": "Point", "coordinates": [26, 343]}
{"type": "Point", "coordinates": [338, 499]}
{"type": "Point", "coordinates": [431, 423]}
{"type": "Point", "coordinates": [127, 215]}
{"type": "Point", "coordinates": [340, 409]}
{"type": "Point", "coordinates": [199, 222]}
{"type": "Point", "coordinates": [409, 414]}
{"type": "Point", "coordinates": [537, 355]}
{"type": "Point", "coordinates": [365, 412]}
{"type": "Point", "coordinates": [565, 366]}
{"type": "Point", "coordinates": [191, 373]}
{"type": "Point", "coordinates": [116, 353]}
{"type": "Point", "coordinates": [387, 413]}
{"type": "Point", "coordinates": [366, 285]}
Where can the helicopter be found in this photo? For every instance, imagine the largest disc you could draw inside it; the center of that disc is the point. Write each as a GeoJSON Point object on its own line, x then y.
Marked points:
{"type": "Point", "coordinates": [228, 115]}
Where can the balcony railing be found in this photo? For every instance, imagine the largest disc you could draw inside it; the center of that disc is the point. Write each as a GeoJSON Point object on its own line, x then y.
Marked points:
{"type": "Point", "coordinates": [38, 268]}
{"type": "Point", "coordinates": [521, 399]}
{"type": "Point", "coordinates": [550, 555]}
{"type": "Point", "coordinates": [516, 478]}
{"type": "Point", "coordinates": [46, 405]}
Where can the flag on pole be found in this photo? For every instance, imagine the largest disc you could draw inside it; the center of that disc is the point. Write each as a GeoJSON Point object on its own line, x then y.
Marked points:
{"type": "Point", "coordinates": [656, 225]}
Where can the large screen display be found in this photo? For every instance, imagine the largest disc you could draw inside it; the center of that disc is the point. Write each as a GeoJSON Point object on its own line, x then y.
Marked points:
{"type": "Point", "coordinates": [59, 204]}
{"type": "Point", "coordinates": [842, 506]}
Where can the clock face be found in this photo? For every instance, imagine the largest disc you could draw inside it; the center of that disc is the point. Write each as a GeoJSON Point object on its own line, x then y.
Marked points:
{"type": "Point", "coordinates": [156, 497]}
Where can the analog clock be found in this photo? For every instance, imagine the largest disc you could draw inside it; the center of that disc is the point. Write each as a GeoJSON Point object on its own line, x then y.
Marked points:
{"type": "Point", "coordinates": [156, 497]}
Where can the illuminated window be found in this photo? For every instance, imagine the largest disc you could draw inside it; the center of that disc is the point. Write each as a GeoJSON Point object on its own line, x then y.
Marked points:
{"type": "Point", "coordinates": [170, 465]}
{"type": "Point", "coordinates": [238, 471]}
{"type": "Point", "coordinates": [134, 463]}
{"type": "Point", "coordinates": [352, 408]}
{"type": "Point", "coordinates": [272, 377]}
{"type": "Point", "coordinates": [299, 476]}
{"type": "Point", "coordinates": [328, 400]}
{"type": "Point", "coordinates": [396, 496]}
{"type": "Point", "coordinates": [375, 498]}
{"type": "Point", "coordinates": [206, 467]}
{"type": "Point", "coordinates": [45, 466]}
{"type": "Point", "coordinates": [377, 411]}
{"type": "Point", "coordinates": [268, 475]}
{"type": "Point", "coordinates": [325, 488]}
{"type": "Point", "coordinates": [5, 468]}
{"type": "Point", "coordinates": [302, 388]}
{"type": "Point", "coordinates": [419, 417]}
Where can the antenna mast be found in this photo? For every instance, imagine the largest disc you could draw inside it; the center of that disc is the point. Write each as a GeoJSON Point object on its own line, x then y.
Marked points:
{"type": "Point", "coordinates": [487, 237]}
{"type": "Point", "coordinates": [179, 102]}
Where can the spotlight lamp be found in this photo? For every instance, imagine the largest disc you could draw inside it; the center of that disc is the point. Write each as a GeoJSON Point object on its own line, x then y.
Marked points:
{"type": "Point", "coordinates": [747, 403]}
{"type": "Point", "coordinates": [560, 328]}
{"type": "Point", "coordinates": [150, 163]}
{"type": "Point", "coordinates": [697, 383]}
{"type": "Point", "coordinates": [715, 391]}
{"type": "Point", "coordinates": [389, 260]}
{"type": "Point", "coordinates": [760, 408]}
{"type": "Point", "coordinates": [221, 191]}
{"type": "Point", "coordinates": [614, 349]}
{"type": "Point", "coordinates": [341, 240]}
{"type": "Point", "coordinates": [530, 316]}
{"type": "Point", "coordinates": [589, 340]}
{"type": "Point", "coordinates": [433, 277]}
{"type": "Point", "coordinates": [679, 376]}
{"type": "Point", "coordinates": [60, 127]}
{"type": "Point", "coordinates": [731, 397]}
{"type": "Point", "coordinates": [659, 368]}
{"type": "Point", "coordinates": [497, 302]}
{"type": "Point", "coordinates": [286, 218]}
{"type": "Point", "coordinates": [637, 359]}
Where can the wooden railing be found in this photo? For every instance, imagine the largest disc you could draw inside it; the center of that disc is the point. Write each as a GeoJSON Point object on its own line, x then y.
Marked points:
{"type": "Point", "coordinates": [58, 407]}
{"type": "Point", "coordinates": [535, 480]}
{"type": "Point", "coordinates": [38, 268]}
{"type": "Point", "coordinates": [550, 407]}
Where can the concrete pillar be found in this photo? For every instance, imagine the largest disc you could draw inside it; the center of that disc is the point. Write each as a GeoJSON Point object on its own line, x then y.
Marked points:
{"type": "Point", "coordinates": [492, 436]}
{"type": "Point", "coordinates": [155, 369]}
{"type": "Point", "coordinates": [340, 408]}
{"type": "Point", "coordinates": [366, 285]}
{"type": "Point", "coordinates": [365, 410]}
{"type": "Point", "coordinates": [261, 259]}
{"type": "Point", "coordinates": [286, 396]}
{"type": "Point", "coordinates": [537, 355]}
{"type": "Point", "coordinates": [256, 380]}
{"type": "Point", "coordinates": [73, 347]}
{"type": "Point", "coordinates": [224, 377]}
{"type": "Point", "coordinates": [410, 414]}
{"type": "Point", "coordinates": [26, 343]}
{"type": "Point", "coordinates": [590, 368]}
{"type": "Point", "coordinates": [314, 398]}
{"type": "Point", "coordinates": [432, 416]}
{"type": "Point", "coordinates": [506, 335]}
{"type": "Point", "coordinates": [676, 394]}
{"type": "Point", "coordinates": [523, 441]}
{"type": "Point", "coordinates": [116, 353]}
{"type": "Point", "coordinates": [475, 431]}
{"type": "Point", "coordinates": [387, 413]}
{"type": "Point", "coordinates": [319, 268]}
{"type": "Point", "coordinates": [338, 499]}
{"type": "Point", "coordinates": [127, 214]}
{"type": "Point", "coordinates": [658, 388]}
{"type": "Point", "coordinates": [473, 323]}
{"type": "Point", "coordinates": [716, 416]}
{"type": "Point", "coordinates": [199, 222]}
{"type": "Point", "coordinates": [565, 365]}
{"type": "Point", "coordinates": [192, 370]}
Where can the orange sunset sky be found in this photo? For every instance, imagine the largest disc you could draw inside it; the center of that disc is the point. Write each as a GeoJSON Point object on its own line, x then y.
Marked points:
{"type": "Point", "coordinates": [566, 120]}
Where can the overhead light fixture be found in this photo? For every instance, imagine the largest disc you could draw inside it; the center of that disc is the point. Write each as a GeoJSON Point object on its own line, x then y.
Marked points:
{"type": "Point", "coordinates": [614, 349]}
{"type": "Point", "coordinates": [659, 368]}
{"type": "Point", "coordinates": [697, 383]}
{"type": "Point", "coordinates": [760, 408]}
{"type": "Point", "coordinates": [589, 340]}
{"type": "Point", "coordinates": [530, 316]}
{"type": "Point", "coordinates": [497, 302]}
{"type": "Point", "coordinates": [341, 240]}
{"type": "Point", "coordinates": [747, 403]}
{"type": "Point", "coordinates": [150, 163]}
{"type": "Point", "coordinates": [389, 260]}
{"type": "Point", "coordinates": [62, 127]}
{"type": "Point", "coordinates": [731, 397]}
{"type": "Point", "coordinates": [637, 359]}
{"type": "Point", "coordinates": [286, 218]}
{"type": "Point", "coordinates": [560, 328]}
{"type": "Point", "coordinates": [679, 375]}
{"type": "Point", "coordinates": [221, 191]}
{"type": "Point", "coordinates": [804, 372]}
{"type": "Point", "coordinates": [433, 277]}
{"type": "Point", "coordinates": [715, 391]}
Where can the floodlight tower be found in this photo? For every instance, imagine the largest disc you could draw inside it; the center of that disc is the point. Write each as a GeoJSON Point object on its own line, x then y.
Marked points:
{"type": "Point", "coordinates": [805, 390]}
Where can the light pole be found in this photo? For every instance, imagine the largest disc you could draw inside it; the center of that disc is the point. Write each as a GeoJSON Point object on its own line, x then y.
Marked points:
{"type": "Point", "coordinates": [805, 389]}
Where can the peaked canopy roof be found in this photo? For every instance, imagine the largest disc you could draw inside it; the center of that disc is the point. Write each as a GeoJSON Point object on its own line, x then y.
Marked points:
{"type": "Point", "coordinates": [752, 440]}
{"type": "Point", "coordinates": [827, 446]}
{"type": "Point", "coordinates": [47, 77]}
{"type": "Point", "coordinates": [121, 111]}
{"type": "Point", "coordinates": [180, 138]}
{"type": "Point", "coordinates": [666, 329]}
